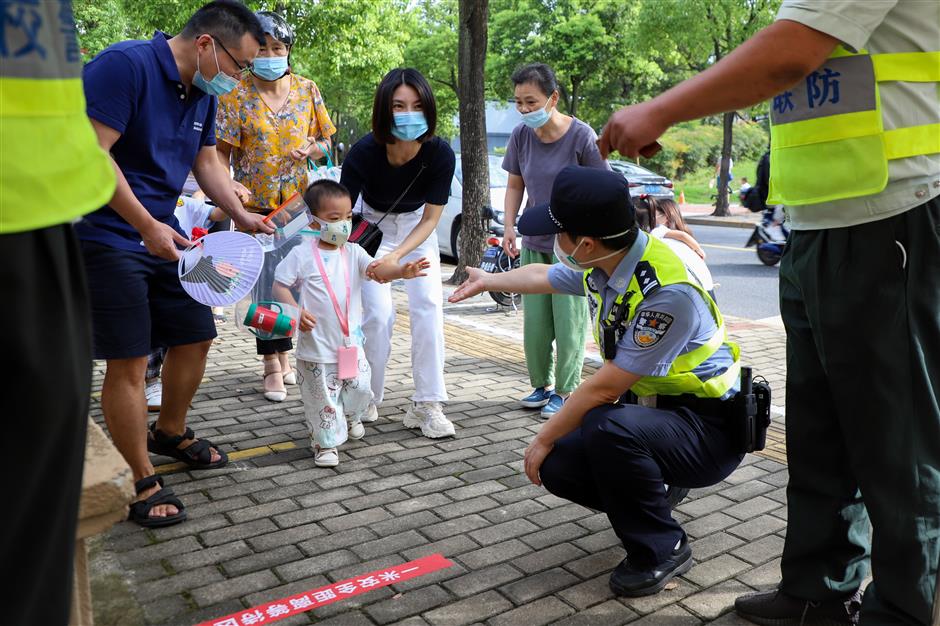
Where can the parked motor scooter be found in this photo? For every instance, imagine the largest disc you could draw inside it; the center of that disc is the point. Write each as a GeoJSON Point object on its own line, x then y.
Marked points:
{"type": "Point", "coordinates": [495, 260]}
{"type": "Point", "coordinates": [770, 236]}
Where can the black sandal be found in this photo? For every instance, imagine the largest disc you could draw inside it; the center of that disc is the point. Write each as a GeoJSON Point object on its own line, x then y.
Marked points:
{"type": "Point", "coordinates": [197, 455]}
{"type": "Point", "coordinates": [140, 511]}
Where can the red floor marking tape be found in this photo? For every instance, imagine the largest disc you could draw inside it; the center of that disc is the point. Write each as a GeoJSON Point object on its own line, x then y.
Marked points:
{"type": "Point", "coordinates": [302, 602]}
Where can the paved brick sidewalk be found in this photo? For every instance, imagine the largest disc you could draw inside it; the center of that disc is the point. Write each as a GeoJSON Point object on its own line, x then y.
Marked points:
{"type": "Point", "coordinates": [271, 524]}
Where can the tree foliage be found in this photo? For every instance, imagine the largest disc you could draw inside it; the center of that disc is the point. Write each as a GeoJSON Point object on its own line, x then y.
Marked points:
{"type": "Point", "coordinates": [432, 49]}
{"type": "Point", "coordinates": [690, 146]}
{"type": "Point", "coordinates": [345, 46]}
{"type": "Point", "coordinates": [697, 34]}
{"type": "Point", "coordinates": [583, 41]}
{"type": "Point", "coordinates": [606, 53]}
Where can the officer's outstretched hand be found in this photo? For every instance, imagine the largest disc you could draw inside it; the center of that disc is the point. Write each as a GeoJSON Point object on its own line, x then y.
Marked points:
{"type": "Point", "coordinates": [534, 456]}
{"type": "Point", "coordinates": [472, 286]}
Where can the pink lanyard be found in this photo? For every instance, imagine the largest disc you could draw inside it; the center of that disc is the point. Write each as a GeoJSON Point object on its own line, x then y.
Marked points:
{"type": "Point", "coordinates": [343, 318]}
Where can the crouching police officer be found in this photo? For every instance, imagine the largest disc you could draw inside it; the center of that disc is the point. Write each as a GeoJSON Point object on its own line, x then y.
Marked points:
{"type": "Point", "coordinates": [662, 338]}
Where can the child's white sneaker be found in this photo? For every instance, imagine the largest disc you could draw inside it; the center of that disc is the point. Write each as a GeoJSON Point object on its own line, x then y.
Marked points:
{"type": "Point", "coordinates": [326, 457]}
{"type": "Point", "coordinates": [429, 417]}
{"type": "Point", "coordinates": [372, 413]}
{"type": "Point", "coordinates": [356, 430]}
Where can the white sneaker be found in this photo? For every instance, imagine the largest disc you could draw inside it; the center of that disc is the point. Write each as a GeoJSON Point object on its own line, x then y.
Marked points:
{"type": "Point", "coordinates": [154, 394]}
{"type": "Point", "coordinates": [372, 413]}
{"type": "Point", "coordinates": [326, 457]}
{"type": "Point", "coordinates": [429, 417]}
{"type": "Point", "coordinates": [356, 430]}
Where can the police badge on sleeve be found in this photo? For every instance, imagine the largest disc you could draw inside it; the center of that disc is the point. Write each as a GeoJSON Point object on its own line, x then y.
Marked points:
{"type": "Point", "coordinates": [650, 327]}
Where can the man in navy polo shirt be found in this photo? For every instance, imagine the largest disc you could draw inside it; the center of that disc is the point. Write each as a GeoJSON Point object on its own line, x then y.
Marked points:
{"type": "Point", "coordinates": [152, 104]}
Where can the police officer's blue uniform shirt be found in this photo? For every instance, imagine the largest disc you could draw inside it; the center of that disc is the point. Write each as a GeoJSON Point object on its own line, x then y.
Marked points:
{"type": "Point", "coordinates": [135, 88]}
{"type": "Point", "coordinates": [685, 322]}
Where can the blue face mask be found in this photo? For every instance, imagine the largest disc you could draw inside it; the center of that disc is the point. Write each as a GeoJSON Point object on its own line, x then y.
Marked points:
{"type": "Point", "coordinates": [537, 118]}
{"type": "Point", "coordinates": [270, 68]}
{"type": "Point", "coordinates": [220, 84]}
{"type": "Point", "coordinates": [409, 126]}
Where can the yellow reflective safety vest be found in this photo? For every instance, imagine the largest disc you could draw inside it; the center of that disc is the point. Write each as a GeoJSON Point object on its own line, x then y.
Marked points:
{"type": "Point", "coordinates": [827, 137]}
{"type": "Point", "coordinates": [52, 169]}
{"type": "Point", "coordinates": [659, 266]}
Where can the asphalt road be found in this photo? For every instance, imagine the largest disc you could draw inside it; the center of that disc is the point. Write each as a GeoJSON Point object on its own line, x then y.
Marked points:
{"type": "Point", "coordinates": [748, 288]}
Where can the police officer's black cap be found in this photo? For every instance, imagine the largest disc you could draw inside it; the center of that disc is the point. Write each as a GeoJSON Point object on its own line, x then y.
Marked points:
{"type": "Point", "coordinates": [586, 201]}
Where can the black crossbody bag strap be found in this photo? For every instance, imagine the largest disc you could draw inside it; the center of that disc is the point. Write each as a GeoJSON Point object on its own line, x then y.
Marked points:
{"type": "Point", "coordinates": [395, 204]}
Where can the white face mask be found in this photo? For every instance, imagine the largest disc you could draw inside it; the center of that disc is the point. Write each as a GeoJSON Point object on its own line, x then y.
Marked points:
{"type": "Point", "coordinates": [569, 261]}
{"type": "Point", "coordinates": [336, 233]}
{"type": "Point", "coordinates": [539, 117]}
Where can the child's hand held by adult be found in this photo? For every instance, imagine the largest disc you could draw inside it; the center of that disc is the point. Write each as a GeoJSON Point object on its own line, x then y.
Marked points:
{"type": "Point", "coordinates": [414, 269]}
{"type": "Point", "coordinates": [384, 269]}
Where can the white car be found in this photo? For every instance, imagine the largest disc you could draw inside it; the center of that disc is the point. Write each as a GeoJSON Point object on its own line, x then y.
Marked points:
{"type": "Point", "coordinates": [448, 229]}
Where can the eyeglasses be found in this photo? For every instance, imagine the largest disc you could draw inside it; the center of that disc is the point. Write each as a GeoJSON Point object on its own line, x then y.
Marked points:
{"type": "Point", "coordinates": [243, 70]}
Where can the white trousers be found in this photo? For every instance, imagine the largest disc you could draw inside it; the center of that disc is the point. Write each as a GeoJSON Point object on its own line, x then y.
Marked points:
{"type": "Point", "coordinates": [330, 402]}
{"type": "Point", "coordinates": [425, 306]}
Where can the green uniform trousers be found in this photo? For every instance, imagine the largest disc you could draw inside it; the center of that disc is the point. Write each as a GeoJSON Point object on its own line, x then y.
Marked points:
{"type": "Point", "coordinates": [861, 306]}
{"type": "Point", "coordinates": [548, 318]}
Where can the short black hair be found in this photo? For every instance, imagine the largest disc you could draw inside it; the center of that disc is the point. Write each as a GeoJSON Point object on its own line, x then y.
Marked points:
{"type": "Point", "coordinates": [539, 74]}
{"type": "Point", "coordinates": [321, 189]}
{"type": "Point", "coordinates": [227, 21]}
{"type": "Point", "coordinates": [382, 116]}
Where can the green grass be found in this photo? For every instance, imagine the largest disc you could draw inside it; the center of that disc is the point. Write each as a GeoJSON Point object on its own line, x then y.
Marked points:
{"type": "Point", "coordinates": [695, 185]}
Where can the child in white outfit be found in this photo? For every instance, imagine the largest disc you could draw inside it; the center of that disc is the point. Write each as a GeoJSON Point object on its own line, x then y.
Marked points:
{"type": "Point", "coordinates": [333, 373]}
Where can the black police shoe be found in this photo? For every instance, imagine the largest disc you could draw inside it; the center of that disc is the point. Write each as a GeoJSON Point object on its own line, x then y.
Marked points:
{"type": "Point", "coordinates": [775, 608]}
{"type": "Point", "coordinates": [632, 581]}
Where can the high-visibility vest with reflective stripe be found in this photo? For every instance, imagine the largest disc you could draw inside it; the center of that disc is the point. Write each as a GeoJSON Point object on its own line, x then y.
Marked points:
{"type": "Point", "coordinates": [659, 266]}
{"type": "Point", "coordinates": [52, 169]}
{"type": "Point", "coordinates": [828, 140]}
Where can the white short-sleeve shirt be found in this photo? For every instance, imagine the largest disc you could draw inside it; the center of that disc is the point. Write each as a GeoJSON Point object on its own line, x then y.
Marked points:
{"type": "Point", "coordinates": [299, 269]}
{"type": "Point", "coordinates": [694, 262]}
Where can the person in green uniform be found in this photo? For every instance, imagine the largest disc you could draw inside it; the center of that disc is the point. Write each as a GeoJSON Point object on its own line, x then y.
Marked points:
{"type": "Point", "coordinates": [855, 157]}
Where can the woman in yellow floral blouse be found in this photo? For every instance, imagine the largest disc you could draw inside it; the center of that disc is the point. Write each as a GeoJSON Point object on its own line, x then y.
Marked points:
{"type": "Point", "coordinates": [267, 128]}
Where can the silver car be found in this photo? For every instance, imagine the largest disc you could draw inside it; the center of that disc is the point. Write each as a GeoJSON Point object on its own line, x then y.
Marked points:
{"type": "Point", "coordinates": [643, 183]}
{"type": "Point", "coordinates": [448, 229]}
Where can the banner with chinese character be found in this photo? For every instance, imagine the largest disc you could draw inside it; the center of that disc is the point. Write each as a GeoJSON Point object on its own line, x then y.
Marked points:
{"type": "Point", "coordinates": [308, 600]}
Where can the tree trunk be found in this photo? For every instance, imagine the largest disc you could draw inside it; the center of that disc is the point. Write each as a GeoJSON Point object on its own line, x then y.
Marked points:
{"type": "Point", "coordinates": [721, 201]}
{"type": "Point", "coordinates": [471, 59]}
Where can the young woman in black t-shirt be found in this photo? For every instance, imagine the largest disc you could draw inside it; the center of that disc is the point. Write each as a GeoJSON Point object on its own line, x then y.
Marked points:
{"type": "Point", "coordinates": [403, 172]}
